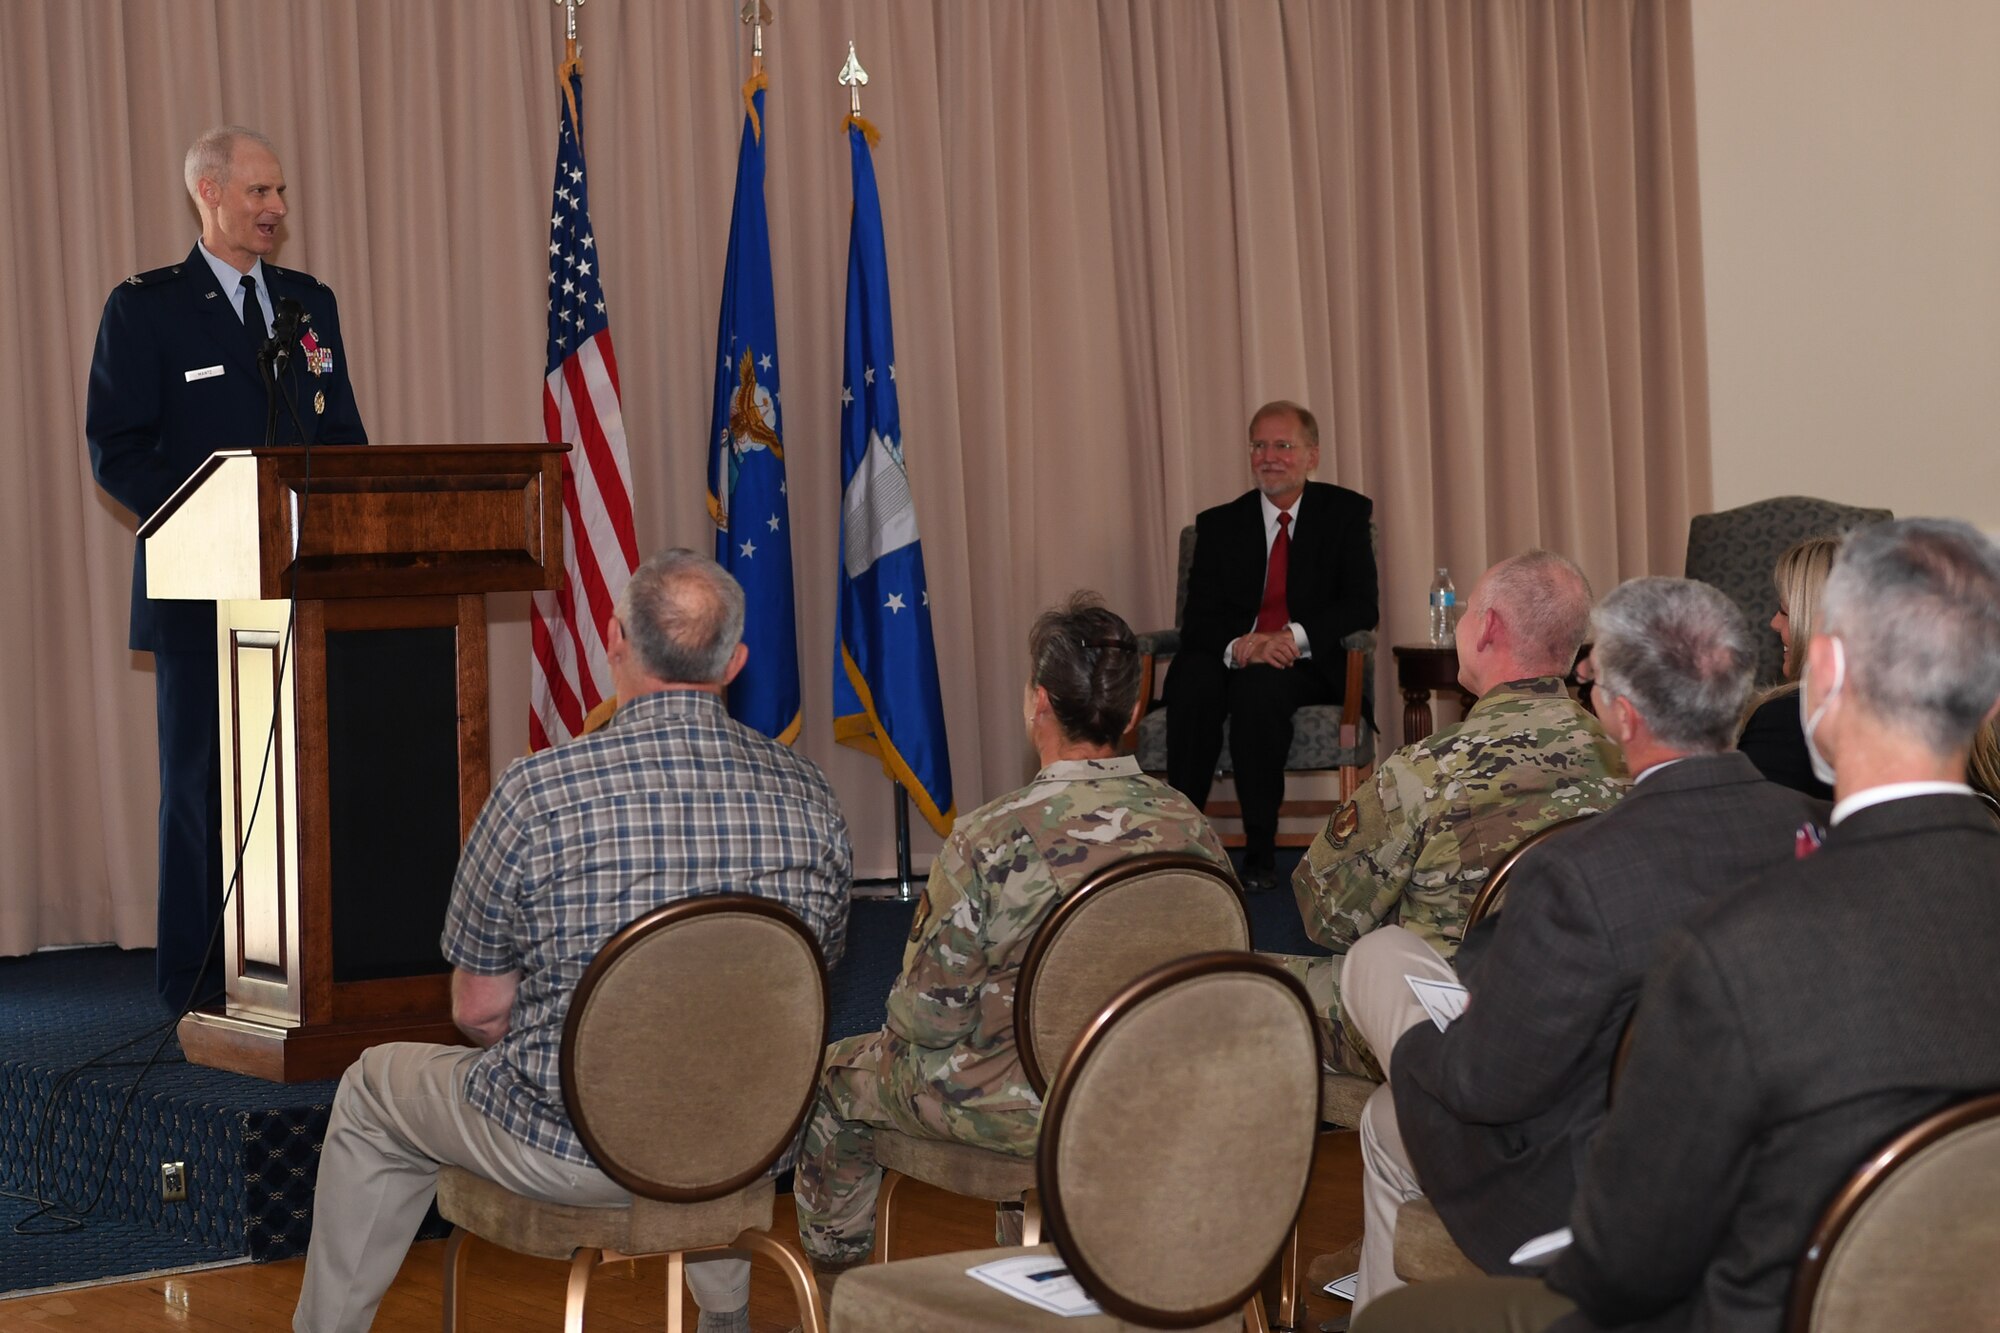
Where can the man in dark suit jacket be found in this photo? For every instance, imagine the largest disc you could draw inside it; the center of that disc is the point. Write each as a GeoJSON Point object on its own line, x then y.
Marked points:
{"type": "Point", "coordinates": [1490, 1117]}
{"type": "Point", "coordinates": [1281, 574]}
{"type": "Point", "coordinates": [176, 376]}
{"type": "Point", "coordinates": [1801, 1022]}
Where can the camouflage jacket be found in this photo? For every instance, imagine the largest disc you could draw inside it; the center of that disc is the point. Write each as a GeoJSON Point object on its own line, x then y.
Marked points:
{"type": "Point", "coordinates": [1004, 869]}
{"type": "Point", "coordinates": [1442, 813]}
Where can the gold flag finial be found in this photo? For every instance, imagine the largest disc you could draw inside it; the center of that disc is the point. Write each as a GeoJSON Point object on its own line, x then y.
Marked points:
{"type": "Point", "coordinates": [852, 77]}
{"type": "Point", "coordinates": [756, 15]}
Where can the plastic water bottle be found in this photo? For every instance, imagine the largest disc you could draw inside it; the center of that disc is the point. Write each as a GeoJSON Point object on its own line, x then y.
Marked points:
{"type": "Point", "coordinates": [1444, 609]}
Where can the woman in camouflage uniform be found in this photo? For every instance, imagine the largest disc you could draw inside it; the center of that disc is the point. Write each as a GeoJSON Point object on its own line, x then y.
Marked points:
{"type": "Point", "coordinates": [945, 1066]}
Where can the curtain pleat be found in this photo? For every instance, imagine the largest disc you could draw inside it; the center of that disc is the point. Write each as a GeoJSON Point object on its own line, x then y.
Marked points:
{"type": "Point", "coordinates": [1465, 232]}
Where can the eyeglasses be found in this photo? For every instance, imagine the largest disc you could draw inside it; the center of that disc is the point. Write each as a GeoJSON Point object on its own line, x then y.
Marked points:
{"type": "Point", "coordinates": [1282, 448]}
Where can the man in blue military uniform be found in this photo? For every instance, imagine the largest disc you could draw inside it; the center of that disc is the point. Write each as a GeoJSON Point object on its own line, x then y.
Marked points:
{"type": "Point", "coordinates": [175, 377]}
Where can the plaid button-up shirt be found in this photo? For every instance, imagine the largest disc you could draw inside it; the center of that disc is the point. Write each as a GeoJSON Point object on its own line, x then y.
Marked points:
{"type": "Point", "coordinates": [672, 800]}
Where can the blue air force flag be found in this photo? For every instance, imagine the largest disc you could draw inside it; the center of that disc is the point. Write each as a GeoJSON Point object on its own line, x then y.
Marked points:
{"type": "Point", "coordinates": [885, 679]}
{"type": "Point", "coordinates": [746, 463]}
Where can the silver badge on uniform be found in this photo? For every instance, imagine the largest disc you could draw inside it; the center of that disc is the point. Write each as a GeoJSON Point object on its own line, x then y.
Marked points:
{"type": "Point", "coordinates": [319, 403]}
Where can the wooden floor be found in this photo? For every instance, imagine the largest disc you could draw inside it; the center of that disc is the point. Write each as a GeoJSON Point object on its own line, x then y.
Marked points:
{"type": "Point", "coordinates": [511, 1291]}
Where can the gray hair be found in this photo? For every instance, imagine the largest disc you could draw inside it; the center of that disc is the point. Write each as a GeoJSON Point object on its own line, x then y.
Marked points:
{"type": "Point", "coordinates": [1546, 600]}
{"type": "Point", "coordinates": [1087, 658]}
{"type": "Point", "coordinates": [209, 156]}
{"type": "Point", "coordinates": [1680, 651]}
{"type": "Point", "coordinates": [1916, 606]}
{"type": "Point", "coordinates": [1308, 423]}
{"type": "Point", "coordinates": [683, 615]}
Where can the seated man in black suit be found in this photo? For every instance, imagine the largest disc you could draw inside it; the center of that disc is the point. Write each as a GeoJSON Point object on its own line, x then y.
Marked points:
{"type": "Point", "coordinates": [1490, 1116]}
{"type": "Point", "coordinates": [1800, 1022]}
{"type": "Point", "coordinates": [1281, 574]}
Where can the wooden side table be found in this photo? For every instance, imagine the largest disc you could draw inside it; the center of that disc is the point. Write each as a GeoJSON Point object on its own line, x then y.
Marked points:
{"type": "Point", "coordinates": [1421, 670]}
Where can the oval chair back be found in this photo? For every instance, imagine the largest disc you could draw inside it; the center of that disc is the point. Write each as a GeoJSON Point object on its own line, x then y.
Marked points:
{"type": "Point", "coordinates": [1116, 927]}
{"type": "Point", "coordinates": [692, 1048]}
{"type": "Point", "coordinates": [1170, 1194]}
{"type": "Point", "coordinates": [1487, 900]}
{"type": "Point", "coordinates": [1910, 1240]}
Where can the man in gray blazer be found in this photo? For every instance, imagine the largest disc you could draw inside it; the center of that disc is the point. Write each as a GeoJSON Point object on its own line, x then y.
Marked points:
{"type": "Point", "coordinates": [1802, 1021]}
{"type": "Point", "coordinates": [1490, 1116]}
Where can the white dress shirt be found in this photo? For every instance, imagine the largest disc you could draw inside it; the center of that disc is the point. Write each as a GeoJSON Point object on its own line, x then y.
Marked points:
{"type": "Point", "coordinates": [1271, 513]}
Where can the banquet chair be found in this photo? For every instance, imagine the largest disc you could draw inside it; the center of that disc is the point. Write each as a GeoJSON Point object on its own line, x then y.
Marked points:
{"type": "Point", "coordinates": [1493, 892]}
{"type": "Point", "coordinates": [1119, 924]}
{"type": "Point", "coordinates": [1167, 1197]}
{"type": "Point", "coordinates": [689, 1059]}
{"type": "Point", "coordinates": [1909, 1240]}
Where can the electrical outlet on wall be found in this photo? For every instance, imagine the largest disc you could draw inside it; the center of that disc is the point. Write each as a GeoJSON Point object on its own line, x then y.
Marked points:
{"type": "Point", "coordinates": [173, 1182]}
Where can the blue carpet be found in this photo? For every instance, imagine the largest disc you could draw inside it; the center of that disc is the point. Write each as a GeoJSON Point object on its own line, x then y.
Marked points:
{"type": "Point", "coordinates": [857, 989]}
{"type": "Point", "coordinates": [1275, 926]}
{"type": "Point", "coordinates": [249, 1146]}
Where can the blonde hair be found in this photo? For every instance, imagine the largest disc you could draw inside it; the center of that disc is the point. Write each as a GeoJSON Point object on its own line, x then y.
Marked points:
{"type": "Point", "coordinates": [1799, 578]}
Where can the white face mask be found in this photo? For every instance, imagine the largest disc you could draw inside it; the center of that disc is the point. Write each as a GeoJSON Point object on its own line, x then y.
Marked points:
{"type": "Point", "coordinates": [1810, 721]}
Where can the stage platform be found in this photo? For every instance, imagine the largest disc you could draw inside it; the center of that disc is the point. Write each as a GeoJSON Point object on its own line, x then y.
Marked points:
{"type": "Point", "coordinates": [251, 1147]}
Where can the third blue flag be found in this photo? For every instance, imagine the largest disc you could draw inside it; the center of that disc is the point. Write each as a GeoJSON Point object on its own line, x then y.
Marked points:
{"type": "Point", "coordinates": [885, 678]}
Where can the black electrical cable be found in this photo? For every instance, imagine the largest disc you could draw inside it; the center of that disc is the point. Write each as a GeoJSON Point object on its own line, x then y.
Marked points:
{"type": "Point", "coordinates": [68, 1217]}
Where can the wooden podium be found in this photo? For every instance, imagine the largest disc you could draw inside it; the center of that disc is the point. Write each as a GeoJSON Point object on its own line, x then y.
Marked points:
{"type": "Point", "coordinates": [354, 724]}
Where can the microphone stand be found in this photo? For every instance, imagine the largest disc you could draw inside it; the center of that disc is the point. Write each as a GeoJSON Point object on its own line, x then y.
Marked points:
{"type": "Point", "coordinates": [273, 358]}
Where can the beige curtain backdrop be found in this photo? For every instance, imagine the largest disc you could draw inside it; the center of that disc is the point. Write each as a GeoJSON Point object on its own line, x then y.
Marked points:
{"type": "Point", "coordinates": [1467, 234]}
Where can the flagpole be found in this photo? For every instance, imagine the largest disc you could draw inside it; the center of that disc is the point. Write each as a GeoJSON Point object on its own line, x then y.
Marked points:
{"type": "Point", "coordinates": [569, 28]}
{"type": "Point", "coordinates": [853, 77]}
{"type": "Point", "coordinates": [904, 881]}
{"type": "Point", "coordinates": [755, 14]}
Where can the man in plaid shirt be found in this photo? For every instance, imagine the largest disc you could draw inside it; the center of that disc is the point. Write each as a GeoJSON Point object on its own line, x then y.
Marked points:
{"type": "Point", "coordinates": [672, 800]}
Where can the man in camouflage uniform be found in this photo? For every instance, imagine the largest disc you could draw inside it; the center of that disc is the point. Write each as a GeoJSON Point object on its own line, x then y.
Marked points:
{"type": "Point", "coordinates": [946, 1066]}
{"type": "Point", "coordinates": [1443, 813]}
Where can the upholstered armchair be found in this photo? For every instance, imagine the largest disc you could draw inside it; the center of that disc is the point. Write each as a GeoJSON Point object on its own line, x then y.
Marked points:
{"type": "Point", "coordinates": [1325, 737]}
{"type": "Point", "coordinates": [1737, 549]}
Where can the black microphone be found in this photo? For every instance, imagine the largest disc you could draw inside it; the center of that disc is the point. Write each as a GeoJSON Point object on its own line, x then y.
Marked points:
{"type": "Point", "coordinates": [285, 331]}
{"type": "Point", "coordinates": [272, 359]}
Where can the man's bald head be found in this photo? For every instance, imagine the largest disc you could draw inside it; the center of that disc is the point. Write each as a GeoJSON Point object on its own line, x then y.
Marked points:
{"type": "Point", "coordinates": [1527, 616]}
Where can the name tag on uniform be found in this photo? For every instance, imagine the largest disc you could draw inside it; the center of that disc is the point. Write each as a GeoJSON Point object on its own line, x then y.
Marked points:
{"type": "Point", "coordinates": [205, 373]}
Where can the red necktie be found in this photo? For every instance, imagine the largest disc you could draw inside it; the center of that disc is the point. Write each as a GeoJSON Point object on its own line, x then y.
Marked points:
{"type": "Point", "coordinates": [1273, 614]}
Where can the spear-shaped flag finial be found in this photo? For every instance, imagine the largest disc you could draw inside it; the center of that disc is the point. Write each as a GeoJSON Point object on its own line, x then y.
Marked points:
{"type": "Point", "coordinates": [852, 78]}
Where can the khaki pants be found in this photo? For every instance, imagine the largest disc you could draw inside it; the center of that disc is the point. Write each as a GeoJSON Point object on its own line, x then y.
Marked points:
{"type": "Point", "coordinates": [1467, 1305]}
{"type": "Point", "coordinates": [1381, 1007]}
{"type": "Point", "coordinates": [399, 1116]}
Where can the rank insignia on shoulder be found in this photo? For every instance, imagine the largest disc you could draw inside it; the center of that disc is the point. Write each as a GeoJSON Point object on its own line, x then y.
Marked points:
{"type": "Point", "coordinates": [1341, 827]}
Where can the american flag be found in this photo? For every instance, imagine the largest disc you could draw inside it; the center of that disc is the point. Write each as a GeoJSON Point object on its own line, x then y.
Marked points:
{"type": "Point", "coordinates": [580, 409]}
